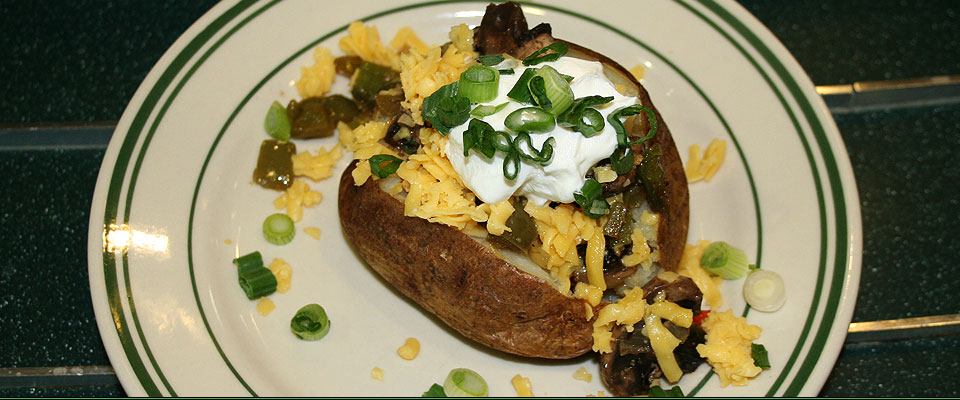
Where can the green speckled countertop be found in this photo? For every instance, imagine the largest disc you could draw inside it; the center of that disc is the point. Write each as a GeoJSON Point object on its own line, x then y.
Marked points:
{"type": "Point", "coordinates": [68, 62]}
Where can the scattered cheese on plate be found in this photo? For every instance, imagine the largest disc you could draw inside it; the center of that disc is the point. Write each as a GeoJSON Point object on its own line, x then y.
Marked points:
{"type": "Point", "coordinates": [282, 271]}
{"type": "Point", "coordinates": [703, 168]}
{"type": "Point", "coordinates": [728, 348]}
{"type": "Point", "coordinates": [581, 374]}
{"type": "Point", "coordinates": [265, 306]}
{"type": "Point", "coordinates": [410, 349]}
{"type": "Point", "coordinates": [376, 373]}
{"type": "Point", "coordinates": [522, 385]}
{"type": "Point", "coordinates": [314, 232]}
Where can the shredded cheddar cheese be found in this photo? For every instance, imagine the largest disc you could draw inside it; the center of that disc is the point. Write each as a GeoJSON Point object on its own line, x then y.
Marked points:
{"type": "Point", "coordinates": [265, 306]}
{"type": "Point", "coordinates": [422, 73]}
{"type": "Point", "coordinates": [297, 196]}
{"type": "Point", "coordinates": [364, 42]}
{"type": "Point", "coordinates": [376, 373]}
{"type": "Point", "coordinates": [690, 267]}
{"type": "Point", "coordinates": [522, 386]}
{"type": "Point", "coordinates": [581, 374]}
{"type": "Point", "coordinates": [283, 273]}
{"type": "Point", "coordinates": [560, 230]}
{"type": "Point", "coordinates": [319, 166]}
{"type": "Point", "coordinates": [703, 168]}
{"type": "Point", "coordinates": [316, 79]}
{"type": "Point", "coordinates": [313, 231]}
{"type": "Point", "coordinates": [499, 213]}
{"type": "Point", "coordinates": [462, 37]}
{"type": "Point", "coordinates": [728, 347]}
{"type": "Point", "coordinates": [405, 40]}
{"type": "Point", "coordinates": [637, 71]}
{"type": "Point", "coordinates": [410, 349]}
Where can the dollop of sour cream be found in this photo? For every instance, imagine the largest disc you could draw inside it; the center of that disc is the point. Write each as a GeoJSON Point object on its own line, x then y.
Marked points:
{"type": "Point", "coordinates": [573, 154]}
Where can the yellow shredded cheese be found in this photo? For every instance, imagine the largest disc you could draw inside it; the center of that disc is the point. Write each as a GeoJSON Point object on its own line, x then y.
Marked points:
{"type": "Point", "coordinates": [499, 213]}
{"type": "Point", "coordinates": [728, 347]}
{"type": "Point", "coordinates": [663, 343]}
{"type": "Point", "coordinates": [315, 80]}
{"type": "Point", "coordinates": [319, 166]}
{"type": "Point", "coordinates": [265, 306]}
{"type": "Point", "coordinates": [406, 39]}
{"type": "Point", "coordinates": [364, 42]}
{"type": "Point", "coordinates": [588, 292]}
{"type": "Point", "coordinates": [297, 196]}
{"type": "Point", "coordinates": [410, 349]}
{"type": "Point", "coordinates": [581, 374]}
{"type": "Point", "coordinates": [637, 71]}
{"type": "Point", "coordinates": [627, 311]}
{"type": "Point", "coordinates": [462, 37]}
{"type": "Point", "coordinates": [690, 267]}
{"type": "Point", "coordinates": [422, 73]}
{"type": "Point", "coordinates": [522, 386]}
{"type": "Point", "coordinates": [313, 231]}
{"type": "Point", "coordinates": [704, 167]}
{"type": "Point", "coordinates": [560, 230]}
{"type": "Point", "coordinates": [283, 273]}
{"type": "Point", "coordinates": [377, 373]}
{"type": "Point", "coordinates": [640, 253]}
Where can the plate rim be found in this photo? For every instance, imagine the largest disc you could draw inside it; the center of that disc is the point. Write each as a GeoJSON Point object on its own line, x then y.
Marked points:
{"type": "Point", "coordinates": [826, 140]}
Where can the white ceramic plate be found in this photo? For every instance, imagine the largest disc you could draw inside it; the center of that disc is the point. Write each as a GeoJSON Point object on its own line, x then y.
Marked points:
{"type": "Point", "coordinates": [174, 205]}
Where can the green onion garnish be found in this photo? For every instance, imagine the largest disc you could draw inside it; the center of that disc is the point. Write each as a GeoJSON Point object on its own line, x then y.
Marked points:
{"type": "Point", "coordinates": [501, 141]}
{"type": "Point", "coordinates": [553, 52]}
{"type": "Point", "coordinates": [511, 165]}
{"type": "Point", "coordinates": [485, 111]}
{"type": "Point", "coordinates": [462, 382]}
{"type": "Point", "coordinates": [622, 160]}
{"type": "Point", "coordinates": [490, 60]}
{"type": "Point", "coordinates": [624, 112]}
{"type": "Point", "coordinates": [479, 135]}
{"type": "Point", "coordinates": [310, 322]}
{"type": "Point", "coordinates": [724, 260]}
{"type": "Point", "coordinates": [435, 391]}
{"type": "Point", "coordinates": [479, 84]}
{"type": "Point", "coordinates": [432, 110]}
{"type": "Point", "coordinates": [382, 165]}
{"type": "Point", "coordinates": [530, 119]}
{"type": "Point", "coordinates": [550, 91]}
{"type": "Point", "coordinates": [590, 198]}
{"type": "Point", "coordinates": [277, 122]}
{"type": "Point", "coordinates": [453, 111]}
{"type": "Point", "coordinates": [526, 150]}
{"type": "Point", "coordinates": [278, 229]}
{"type": "Point", "coordinates": [657, 391]}
{"type": "Point", "coordinates": [579, 117]}
{"type": "Point", "coordinates": [760, 356]}
{"type": "Point", "coordinates": [520, 92]}
{"type": "Point", "coordinates": [506, 71]}
{"type": "Point", "coordinates": [255, 279]}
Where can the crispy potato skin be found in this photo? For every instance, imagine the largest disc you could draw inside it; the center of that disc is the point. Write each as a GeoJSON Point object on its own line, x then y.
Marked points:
{"type": "Point", "coordinates": [459, 280]}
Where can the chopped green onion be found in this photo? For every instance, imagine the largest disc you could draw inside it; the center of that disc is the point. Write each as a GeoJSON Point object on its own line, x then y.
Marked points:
{"type": "Point", "coordinates": [310, 322]}
{"type": "Point", "coordinates": [382, 165]}
{"type": "Point", "coordinates": [432, 110]}
{"type": "Point", "coordinates": [255, 279]}
{"type": "Point", "coordinates": [764, 290]}
{"type": "Point", "coordinates": [277, 122]}
{"type": "Point", "coordinates": [278, 229]}
{"type": "Point", "coordinates": [479, 135]}
{"type": "Point", "coordinates": [453, 111]}
{"type": "Point", "coordinates": [530, 119]}
{"type": "Point", "coordinates": [724, 260]}
{"type": "Point", "coordinates": [567, 78]}
{"type": "Point", "coordinates": [506, 71]}
{"type": "Point", "coordinates": [590, 198]}
{"type": "Point", "coordinates": [479, 84]}
{"type": "Point", "coordinates": [485, 111]}
{"type": "Point", "coordinates": [526, 150]}
{"type": "Point", "coordinates": [581, 118]}
{"type": "Point", "coordinates": [490, 60]}
{"type": "Point", "coordinates": [627, 111]}
{"type": "Point", "coordinates": [657, 391]}
{"type": "Point", "coordinates": [760, 356]}
{"type": "Point", "coordinates": [520, 92]}
{"type": "Point", "coordinates": [622, 160]}
{"type": "Point", "coordinates": [553, 52]}
{"type": "Point", "coordinates": [550, 91]}
{"type": "Point", "coordinates": [511, 165]}
{"type": "Point", "coordinates": [435, 391]}
{"type": "Point", "coordinates": [463, 382]}
{"type": "Point", "coordinates": [501, 141]}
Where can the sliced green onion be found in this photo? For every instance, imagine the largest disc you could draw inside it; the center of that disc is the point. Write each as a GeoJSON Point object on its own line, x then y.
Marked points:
{"type": "Point", "coordinates": [553, 52]}
{"type": "Point", "coordinates": [520, 92]}
{"type": "Point", "coordinates": [764, 290]}
{"type": "Point", "coordinates": [479, 135]}
{"type": "Point", "coordinates": [590, 198]}
{"type": "Point", "coordinates": [479, 84]}
{"type": "Point", "coordinates": [453, 111]}
{"type": "Point", "coordinates": [310, 323]}
{"type": "Point", "coordinates": [625, 112]}
{"type": "Point", "coordinates": [278, 229]}
{"type": "Point", "coordinates": [622, 160]}
{"type": "Point", "coordinates": [255, 279]}
{"type": "Point", "coordinates": [579, 117]}
{"type": "Point", "coordinates": [277, 122]}
{"type": "Point", "coordinates": [463, 382]}
{"type": "Point", "coordinates": [435, 391]}
{"type": "Point", "coordinates": [486, 110]}
{"type": "Point", "coordinates": [511, 165]}
{"type": "Point", "coordinates": [526, 150]}
{"type": "Point", "coordinates": [382, 165]}
{"type": "Point", "coordinates": [553, 94]}
{"type": "Point", "coordinates": [530, 119]}
{"type": "Point", "coordinates": [501, 141]}
{"type": "Point", "coordinates": [657, 391]}
{"type": "Point", "coordinates": [725, 260]}
{"type": "Point", "coordinates": [760, 356]}
{"type": "Point", "coordinates": [506, 71]}
{"type": "Point", "coordinates": [490, 60]}
{"type": "Point", "coordinates": [431, 107]}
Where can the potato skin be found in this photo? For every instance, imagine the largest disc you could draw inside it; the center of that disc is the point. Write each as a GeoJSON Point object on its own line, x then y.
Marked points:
{"type": "Point", "coordinates": [459, 280]}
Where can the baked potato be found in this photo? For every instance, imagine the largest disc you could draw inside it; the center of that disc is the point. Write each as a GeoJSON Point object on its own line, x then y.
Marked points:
{"type": "Point", "coordinates": [466, 282]}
